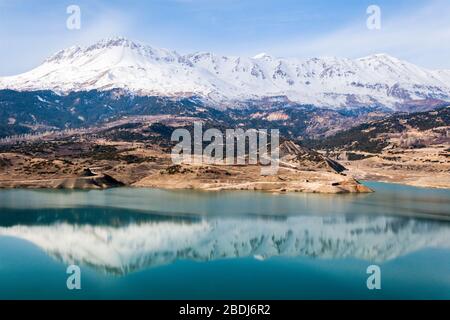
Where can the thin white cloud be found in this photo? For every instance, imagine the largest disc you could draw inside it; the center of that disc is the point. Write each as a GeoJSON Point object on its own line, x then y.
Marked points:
{"type": "Point", "coordinates": [422, 37]}
{"type": "Point", "coordinates": [25, 45]}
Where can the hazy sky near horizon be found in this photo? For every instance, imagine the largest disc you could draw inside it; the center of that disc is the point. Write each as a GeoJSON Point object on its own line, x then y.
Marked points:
{"type": "Point", "coordinates": [413, 30]}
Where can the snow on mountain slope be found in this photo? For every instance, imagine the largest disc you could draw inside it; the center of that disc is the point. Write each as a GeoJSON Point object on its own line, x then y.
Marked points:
{"type": "Point", "coordinates": [377, 80]}
{"type": "Point", "coordinates": [136, 246]}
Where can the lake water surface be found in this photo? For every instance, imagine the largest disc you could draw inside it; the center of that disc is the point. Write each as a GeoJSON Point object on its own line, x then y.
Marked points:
{"type": "Point", "coordinates": [155, 244]}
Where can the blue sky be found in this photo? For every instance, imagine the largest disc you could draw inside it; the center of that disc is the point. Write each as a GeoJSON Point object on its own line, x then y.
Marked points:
{"type": "Point", "coordinates": [414, 30]}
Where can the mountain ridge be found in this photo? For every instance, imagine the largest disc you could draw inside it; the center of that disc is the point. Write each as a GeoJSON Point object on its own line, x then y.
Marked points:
{"type": "Point", "coordinates": [118, 63]}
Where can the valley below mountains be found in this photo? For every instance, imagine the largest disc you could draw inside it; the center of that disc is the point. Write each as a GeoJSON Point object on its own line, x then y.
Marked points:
{"type": "Point", "coordinates": [102, 116]}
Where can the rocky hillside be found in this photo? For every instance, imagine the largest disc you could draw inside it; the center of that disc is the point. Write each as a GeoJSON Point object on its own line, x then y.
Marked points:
{"type": "Point", "coordinates": [39, 111]}
{"type": "Point", "coordinates": [407, 131]}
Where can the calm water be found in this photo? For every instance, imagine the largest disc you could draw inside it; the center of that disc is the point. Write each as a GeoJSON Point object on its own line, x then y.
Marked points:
{"type": "Point", "coordinates": [154, 244]}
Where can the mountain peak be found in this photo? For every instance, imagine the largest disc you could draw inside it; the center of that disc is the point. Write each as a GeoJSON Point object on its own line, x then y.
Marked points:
{"type": "Point", "coordinates": [380, 57]}
{"type": "Point", "coordinates": [115, 42]}
{"type": "Point", "coordinates": [263, 55]}
{"type": "Point", "coordinates": [104, 43]}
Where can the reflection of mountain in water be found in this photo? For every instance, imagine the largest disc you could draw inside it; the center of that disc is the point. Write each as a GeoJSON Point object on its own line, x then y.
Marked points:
{"type": "Point", "coordinates": [139, 243]}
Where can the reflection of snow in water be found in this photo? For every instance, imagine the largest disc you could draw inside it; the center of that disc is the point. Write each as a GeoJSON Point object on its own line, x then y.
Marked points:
{"type": "Point", "coordinates": [135, 246]}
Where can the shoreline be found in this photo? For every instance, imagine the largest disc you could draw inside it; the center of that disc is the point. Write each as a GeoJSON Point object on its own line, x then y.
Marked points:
{"type": "Point", "coordinates": [362, 181]}
{"type": "Point", "coordinates": [343, 187]}
{"type": "Point", "coordinates": [406, 184]}
{"type": "Point", "coordinates": [433, 180]}
{"type": "Point", "coordinates": [327, 183]}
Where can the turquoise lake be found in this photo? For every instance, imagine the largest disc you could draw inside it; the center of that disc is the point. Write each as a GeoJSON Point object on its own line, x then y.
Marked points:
{"type": "Point", "coordinates": [156, 244]}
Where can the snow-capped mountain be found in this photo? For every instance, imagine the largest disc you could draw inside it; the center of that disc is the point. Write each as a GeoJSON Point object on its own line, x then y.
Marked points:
{"type": "Point", "coordinates": [377, 80]}
{"type": "Point", "coordinates": [136, 246]}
